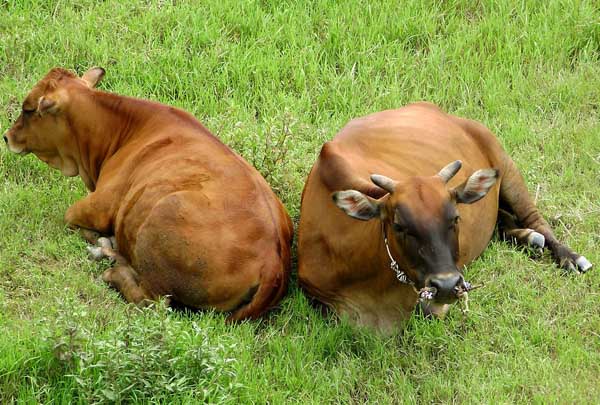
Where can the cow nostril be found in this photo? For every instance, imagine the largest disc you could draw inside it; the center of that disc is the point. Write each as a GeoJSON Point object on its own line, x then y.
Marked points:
{"type": "Point", "coordinates": [5, 138]}
{"type": "Point", "coordinates": [446, 283]}
{"type": "Point", "coordinates": [437, 284]}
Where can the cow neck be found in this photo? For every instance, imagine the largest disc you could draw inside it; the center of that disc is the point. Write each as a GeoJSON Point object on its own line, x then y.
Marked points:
{"type": "Point", "coordinates": [103, 124]}
{"type": "Point", "coordinates": [400, 274]}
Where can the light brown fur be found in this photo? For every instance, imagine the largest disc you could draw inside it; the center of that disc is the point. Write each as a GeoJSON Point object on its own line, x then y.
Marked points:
{"type": "Point", "coordinates": [192, 219]}
{"type": "Point", "coordinates": [343, 262]}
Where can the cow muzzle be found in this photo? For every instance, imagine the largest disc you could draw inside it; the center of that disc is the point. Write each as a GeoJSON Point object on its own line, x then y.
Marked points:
{"type": "Point", "coordinates": [445, 287]}
{"type": "Point", "coordinates": [14, 149]}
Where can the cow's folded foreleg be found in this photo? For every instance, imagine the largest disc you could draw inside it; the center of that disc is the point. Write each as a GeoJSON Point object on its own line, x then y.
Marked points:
{"type": "Point", "coordinates": [92, 214]}
{"type": "Point", "coordinates": [90, 236]}
{"type": "Point", "coordinates": [509, 230]}
{"type": "Point", "coordinates": [104, 248]}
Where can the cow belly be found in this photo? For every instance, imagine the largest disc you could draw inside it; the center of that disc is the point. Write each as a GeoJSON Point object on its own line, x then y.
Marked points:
{"type": "Point", "coordinates": [193, 251]}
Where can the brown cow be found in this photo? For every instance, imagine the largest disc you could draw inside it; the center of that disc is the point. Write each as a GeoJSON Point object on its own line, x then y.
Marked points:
{"type": "Point", "coordinates": [191, 218]}
{"type": "Point", "coordinates": [411, 217]}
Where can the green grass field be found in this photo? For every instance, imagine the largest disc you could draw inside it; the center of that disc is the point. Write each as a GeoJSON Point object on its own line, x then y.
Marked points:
{"type": "Point", "coordinates": [274, 80]}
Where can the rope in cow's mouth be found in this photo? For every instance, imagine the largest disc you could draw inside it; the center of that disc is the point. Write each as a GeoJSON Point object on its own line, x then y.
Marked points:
{"type": "Point", "coordinates": [427, 293]}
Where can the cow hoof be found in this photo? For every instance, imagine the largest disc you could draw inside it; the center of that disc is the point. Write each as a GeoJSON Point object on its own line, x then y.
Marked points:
{"type": "Point", "coordinates": [95, 252]}
{"type": "Point", "coordinates": [583, 264]}
{"type": "Point", "coordinates": [103, 251]}
{"type": "Point", "coordinates": [104, 243]}
{"type": "Point", "coordinates": [536, 239]}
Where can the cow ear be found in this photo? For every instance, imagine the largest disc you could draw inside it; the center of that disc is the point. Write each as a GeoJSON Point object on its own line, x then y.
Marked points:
{"type": "Point", "coordinates": [356, 204]}
{"type": "Point", "coordinates": [93, 76]}
{"type": "Point", "coordinates": [476, 186]}
{"type": "Point", "coordinates": [47, 105]}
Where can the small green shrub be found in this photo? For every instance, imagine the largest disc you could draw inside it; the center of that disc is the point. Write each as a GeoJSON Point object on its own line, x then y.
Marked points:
{"type": "Point", "coordinates": [149, 356]}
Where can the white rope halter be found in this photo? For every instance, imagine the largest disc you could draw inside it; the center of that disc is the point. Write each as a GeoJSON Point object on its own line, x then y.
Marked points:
{"type": "Point", "coordinates": [425, 293]}
{"type": "Point", "coordinates": [400, 275]}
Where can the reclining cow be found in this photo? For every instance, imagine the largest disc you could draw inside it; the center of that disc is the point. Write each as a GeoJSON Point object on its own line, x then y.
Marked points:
{"type": "Point", "coordinates": [426, 218]}
{"type": "Point", "coordinates": [192, 220]}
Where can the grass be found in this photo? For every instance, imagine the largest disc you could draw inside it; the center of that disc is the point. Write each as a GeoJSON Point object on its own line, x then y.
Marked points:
{"type": "Point", "coordinates": [275, 79]}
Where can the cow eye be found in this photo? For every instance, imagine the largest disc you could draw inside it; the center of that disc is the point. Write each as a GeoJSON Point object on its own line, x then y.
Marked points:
{"type": "Point", "coordinates": [399, 228]}
{"type": "Point", "coordinates": [454, 222]}
{"type": "Point", "coordinates": [403, 230]}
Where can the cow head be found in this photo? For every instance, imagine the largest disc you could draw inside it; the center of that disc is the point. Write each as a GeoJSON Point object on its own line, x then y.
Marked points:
{"type": "Point", "coordinates": [43, 127]}
{"type": "Point", "coordinates": [421, 219]}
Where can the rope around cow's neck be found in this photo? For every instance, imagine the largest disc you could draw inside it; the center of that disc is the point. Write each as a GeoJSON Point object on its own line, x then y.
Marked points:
{"type": "Point", "coordinates": [400, 275]}
{"type": "Point", "coordinates": [425, 293]}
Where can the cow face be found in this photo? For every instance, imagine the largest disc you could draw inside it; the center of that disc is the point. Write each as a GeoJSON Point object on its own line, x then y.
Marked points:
{"type": "Point", "coordinates": [421, 219]}
{"type": "Point", "coordinates": [42, 128]}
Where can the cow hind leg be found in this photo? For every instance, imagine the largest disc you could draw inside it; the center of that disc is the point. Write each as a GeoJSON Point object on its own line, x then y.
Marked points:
{"type": "Point", "coordinates": [122, 276]}
{"type": "Point", "coordinates": [515, 197]}
{"type": "Point", "coordinates": [124, 279]}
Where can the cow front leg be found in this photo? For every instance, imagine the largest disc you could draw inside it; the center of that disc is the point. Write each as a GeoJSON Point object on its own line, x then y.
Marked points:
{"type": "Point", "coordinates": [510, 231]}
{"type": "Point", "coordinates": [90, 236]}
{"type": "Point", "coordinates": [91, 215]}
{"type": "Point", "coordinates": [515, 196]}
{"type": "Point", "coordinates": [103, 248]}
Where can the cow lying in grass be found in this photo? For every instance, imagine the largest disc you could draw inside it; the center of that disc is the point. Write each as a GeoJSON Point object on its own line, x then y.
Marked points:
{"type": "Point", "coordinates": [417, 190]}
{"type": "Point", "coordinates": [192, 220]}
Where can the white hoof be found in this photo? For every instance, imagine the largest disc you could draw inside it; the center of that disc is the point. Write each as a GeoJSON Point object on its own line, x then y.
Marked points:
{"type": "Point", "coordinates": [536, 239]}
{"type": "Point", "coordinates": [583, 264]}
{"type": "Point", "coordinates": [95, 252]}
{"type": "Point", "coordinates": [104, 242]}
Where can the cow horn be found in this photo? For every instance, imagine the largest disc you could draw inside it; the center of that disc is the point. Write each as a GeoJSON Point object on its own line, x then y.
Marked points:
{"type": "Point", "coordinates": [450, 170]}
{"type": "Point", "coordinates": [385, 183]}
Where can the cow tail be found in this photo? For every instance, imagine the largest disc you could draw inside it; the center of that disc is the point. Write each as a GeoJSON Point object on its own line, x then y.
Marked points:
{"type": "Point", "coordinates": [273, 285]}
{"type": "Point", "coordinates": [274, 280]}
